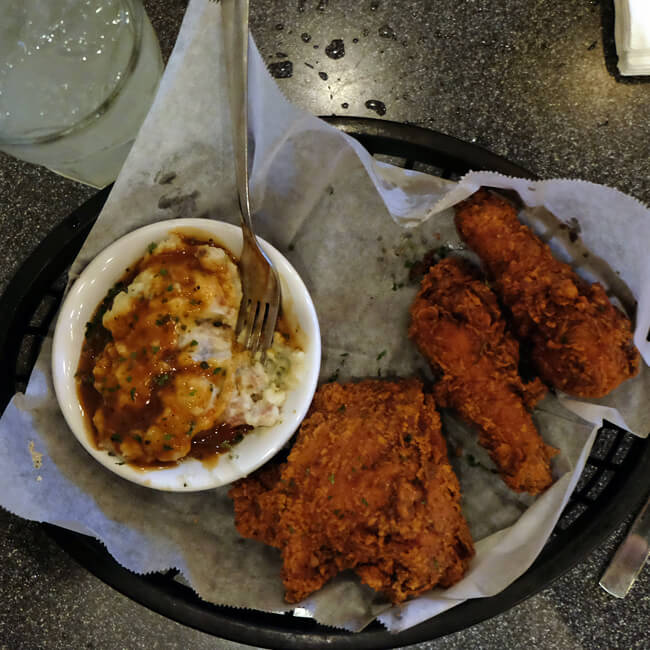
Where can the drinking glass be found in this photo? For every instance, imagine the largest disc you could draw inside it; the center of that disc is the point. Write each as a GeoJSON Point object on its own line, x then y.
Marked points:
{"type": "Point", "coordinates": [77, 78]}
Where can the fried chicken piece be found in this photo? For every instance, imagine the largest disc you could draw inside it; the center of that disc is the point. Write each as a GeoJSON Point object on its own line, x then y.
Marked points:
{"type": "Point", "coordinates": [581, 343]}
{"type": "Point", "coordinates": [367, 487]}
{"type": "Point", "coordinates": [457, 325]}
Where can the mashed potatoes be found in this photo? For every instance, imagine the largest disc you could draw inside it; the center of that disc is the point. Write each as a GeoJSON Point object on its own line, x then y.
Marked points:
{"type": "Point", "coordinates": [161, 369]}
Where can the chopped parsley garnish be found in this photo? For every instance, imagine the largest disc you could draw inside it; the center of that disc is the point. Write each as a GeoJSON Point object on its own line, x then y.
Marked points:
{"type": "Point", "coordinates": [161, 379]}
{"type": "Point", "coordinates": [152, 247]}
{"type": "Point", "coordinates": [155, 349]}
{"type": "Point", "coordinates": [168, 436]}
{"type": "Point", "coordinates": [216, 370]}
{"type": "Point", "coordinates": [192, 393]}
{"type": "Point", "coordinates": [381, 355]}
{"type": "Point", "coordinates": [330, 478]}
{"type": "Point", "coordinates": [363, 500]}
{"type": "Point", "coordinates": [163, 272]}
{"type": "Point", "coordinates": [408, 437]}
{"type": "Point", "coordinates": [341, 409]}
{"type": "Point", "coordinates": [134, 355]}
{"type": "Point", "coordinates": [129, 379]}
{"type": "Point", "coordinates": [137, 437]}
{"type": "Point", "coordinates": [167, 447]}
{"type": "Point", "coordinates": [170, 287]}
{"type": "Point", "coordinates": [116, 437]}
{"type": "Point", "coordinates": [132, 393]}
{"type": "Point", "coordinates": [194, 342]}
{"type": "Point", "coordinates": [307, 471]}
{"type": "Point", "coordinates": [189, 431]}
{"type": "Point", "coordinates": [164, 320]}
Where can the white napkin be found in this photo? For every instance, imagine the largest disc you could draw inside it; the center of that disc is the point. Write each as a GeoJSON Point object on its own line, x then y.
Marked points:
{"type": "Point", "coordinates": [632, 36]}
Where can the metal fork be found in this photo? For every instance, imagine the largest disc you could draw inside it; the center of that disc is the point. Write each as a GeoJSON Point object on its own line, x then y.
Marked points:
{"type": "Point", "coordinates": [258, 312]}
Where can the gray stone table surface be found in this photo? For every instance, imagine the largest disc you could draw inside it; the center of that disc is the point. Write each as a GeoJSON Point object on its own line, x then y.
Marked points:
{"type": "Point", "coordinates": [531, 80]}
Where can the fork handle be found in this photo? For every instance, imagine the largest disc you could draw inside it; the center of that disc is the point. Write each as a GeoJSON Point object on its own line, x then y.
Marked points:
{"type": "Point", "coordinates": [235, 29]}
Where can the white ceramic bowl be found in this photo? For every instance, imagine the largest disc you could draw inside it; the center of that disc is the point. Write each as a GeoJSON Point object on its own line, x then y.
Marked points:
{"type": "Point", "coordinates": [258, 446]}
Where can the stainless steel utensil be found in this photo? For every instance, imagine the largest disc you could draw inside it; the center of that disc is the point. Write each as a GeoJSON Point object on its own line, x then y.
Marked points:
{"type": "Point", "coordinates": [630, 556]}
{"type": "Point", "coordinates": [260, 304]}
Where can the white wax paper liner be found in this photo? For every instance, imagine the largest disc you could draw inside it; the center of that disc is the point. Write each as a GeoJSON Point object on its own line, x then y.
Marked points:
{"type": "Point", "coordinates": [328, 205]}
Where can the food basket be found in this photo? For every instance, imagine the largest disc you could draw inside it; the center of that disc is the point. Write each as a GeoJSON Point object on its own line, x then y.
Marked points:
{"type": "Point", "coordinates": [613, 483]}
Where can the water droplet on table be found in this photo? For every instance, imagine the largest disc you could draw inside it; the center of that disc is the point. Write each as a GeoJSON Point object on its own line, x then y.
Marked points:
{"type": "Point", "coordinates": [281, 69]}
{"type": "Point", "coordinates": [322, 5]}
{"type": "Point", "coordinates": [385, 31]}
{"type": "Point", "coordinates": [345, 105]}
{"type": "Point", "coordinates": [336, 49]}
{"type": "Point", "coordinates": [305, 37]}
{"type": "Point", "coordinates": [323, 76]}
{"type": "Point", "coordinates": [377, 106]}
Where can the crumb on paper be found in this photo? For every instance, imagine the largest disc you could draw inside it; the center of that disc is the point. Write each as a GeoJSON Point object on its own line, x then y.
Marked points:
{"type": "Point", "coordinates": [39, 478]}
{"type": "Point", "coordinates": [37, 457]}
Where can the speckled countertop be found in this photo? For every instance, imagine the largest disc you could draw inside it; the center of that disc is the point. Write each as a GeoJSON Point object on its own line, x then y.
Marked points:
{"type": "Point", "coordinates": [532, 81]}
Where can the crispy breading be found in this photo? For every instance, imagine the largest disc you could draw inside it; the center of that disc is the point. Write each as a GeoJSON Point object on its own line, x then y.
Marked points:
{"type": "Point", "coordinates": [457, 325]}
{"type": "Point", "coordinates": [367, 486]}
{"type": "Point", "coordinates": [581, 343]}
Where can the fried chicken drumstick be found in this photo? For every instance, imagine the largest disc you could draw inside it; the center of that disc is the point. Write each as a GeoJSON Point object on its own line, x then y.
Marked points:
{"type": "Point", "coordinates": [457, 325]}
{"type": "Point", "coordinates": [581, 343]}
{"type": "Point", "coordinates": [367, 486]}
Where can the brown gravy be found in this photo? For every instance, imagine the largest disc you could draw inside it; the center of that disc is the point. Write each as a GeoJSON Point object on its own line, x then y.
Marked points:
{"type": "Point", "coordinates": [150, 368]}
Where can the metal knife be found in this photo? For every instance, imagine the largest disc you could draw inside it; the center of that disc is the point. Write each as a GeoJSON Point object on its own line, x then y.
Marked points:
{"type": "Point", "coordinates": [630, 556]}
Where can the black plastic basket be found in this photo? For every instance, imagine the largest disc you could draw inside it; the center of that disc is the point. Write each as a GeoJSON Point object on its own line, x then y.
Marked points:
{"type": "Point", "coordinates": [613, 483]}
